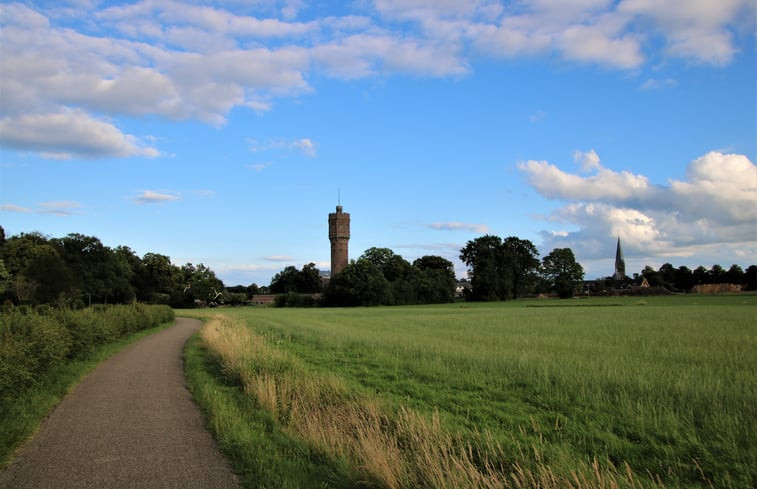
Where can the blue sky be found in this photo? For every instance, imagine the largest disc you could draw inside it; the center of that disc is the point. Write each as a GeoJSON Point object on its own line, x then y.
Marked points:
{"type": "Point", "coordinates": [222, 132]}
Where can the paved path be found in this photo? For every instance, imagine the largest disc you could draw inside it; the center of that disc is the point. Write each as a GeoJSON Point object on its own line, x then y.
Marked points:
{"type": "Point", "coordinates": [131, 423]}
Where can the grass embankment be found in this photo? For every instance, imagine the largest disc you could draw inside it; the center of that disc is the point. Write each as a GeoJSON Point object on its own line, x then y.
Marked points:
{"type": "Point", "coordinates": [654, 392]}
{"type": "Point", "coordinates": [44, 355]}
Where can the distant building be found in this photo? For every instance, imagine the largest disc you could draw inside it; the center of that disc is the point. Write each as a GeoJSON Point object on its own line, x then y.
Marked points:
{"type": "Point", "coordinates": [339, 235]}
{"type": "Point", "coordinates": [461, 287]}
{"type": "Point", "coordinates": [620, 263]}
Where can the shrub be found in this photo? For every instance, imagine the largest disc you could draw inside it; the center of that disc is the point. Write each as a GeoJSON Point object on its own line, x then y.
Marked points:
{"type": "Point", "coordinates": [30, 344]}
{"type": "Point", "coordinates": [34, 342]}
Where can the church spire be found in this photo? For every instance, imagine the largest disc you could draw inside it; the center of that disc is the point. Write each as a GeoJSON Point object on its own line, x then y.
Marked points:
{"type": "Point", "coordinates": [620, 263]}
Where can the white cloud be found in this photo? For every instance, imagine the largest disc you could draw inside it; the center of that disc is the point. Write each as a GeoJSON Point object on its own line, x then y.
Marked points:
{"type": "Point", "coordinates": [554, 183]}
{"type": "Point", "coordinates": [59, 208]}
{"type": "Point", "coordinates": [694, 29]}
{"type": "Point", "coordinates": [594, 44]}
{"type": "Point", "coordinates": [260, 166]}
{"type": "Point", "coordinates": [460, 226]}
{"type": "Point", "coordinates": [537, 116]}
{"type": "Point", "coordinates": [719, 187]}
{"type": "Point", "coordinates": [654, 84]}
{"type": "Point", "coordinates": [589, 161]}
{"type": "Point", "coordinates": [14, 208]}
{"type": "Point", "coordinates": [279, 258]}
{"type": "Point", "coordinates": [155, 197]}
{"type": "Point", "coordinates": [70, 133]}
{"type": "Point", "coordinates": [714, 208]}
{"type": "Point", "coordinates": [191, 61]}
{"type": "Point", "coordinates": [306, 146]}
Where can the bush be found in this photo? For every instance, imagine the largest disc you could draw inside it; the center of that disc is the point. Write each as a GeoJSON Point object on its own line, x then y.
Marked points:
{"type": "Point", "coordinates": [34, 342]}
{"type": "Point", "coordinates": [293, 299]}
{"type": "Point", "coordinates": [30, 344]}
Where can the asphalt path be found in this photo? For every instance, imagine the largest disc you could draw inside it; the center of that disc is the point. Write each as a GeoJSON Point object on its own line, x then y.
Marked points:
{"type": "Point", "coordinates": [130, 423]}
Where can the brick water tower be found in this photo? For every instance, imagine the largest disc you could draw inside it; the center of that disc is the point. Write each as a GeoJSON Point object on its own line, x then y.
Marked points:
{"type": "Point", "coordinates": [339, 235]}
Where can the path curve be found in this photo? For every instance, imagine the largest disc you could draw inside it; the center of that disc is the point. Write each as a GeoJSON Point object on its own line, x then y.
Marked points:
{"type": "Point", "coordinates": [130, 423]}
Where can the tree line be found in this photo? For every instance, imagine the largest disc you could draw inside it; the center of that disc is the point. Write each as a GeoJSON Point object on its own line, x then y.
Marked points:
{"type": "Point", "coordinates": [382, 277]}
{"type": "Point", "coordinates": [78, 270]}
{"type": "Point", "coordinates": [498, 269]}
{"type": "Point", "coordinates": [504, 269]}
{"type": "Point", "coordinates": [378, 277]}
{"type": "Point", "coordinates": [684, 279]}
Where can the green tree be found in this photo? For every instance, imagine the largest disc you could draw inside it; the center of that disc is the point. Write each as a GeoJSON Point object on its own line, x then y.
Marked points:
{"type": "Point", "coordinates": [393, 266]}
{"type": "Point", "coordinates": [684, 279]}
{"type": "Point", "coordinates": [125, 255]}
{"type": "Point", "coordinates": [521, 259]}
{"type": "Point", "coordinates": [750, 277]}
{"type": "Point", "coordinates": [654, 278]}
{"type": "Point", "coordinates": [309, 280]}
{"type": "Point", "coordinates": [486, 268]}
{"type": "Point", "coordinates": [717, 275]}
{"type": "Point", "coordinates": [18, 250]}
{"type": "Point", "coordinates": [360, 283]}
{"type": "Point", "coordinates": [562, 271]}
{"type": "Point", "coordinates": [156, 278]}
{"type": "Point", "coordinates": [197, 283]}
{"type": "Point", "coordinates": [701, 275]}
{"type": "Point", "coordinates": [36, 273]}
{"type": "Point", "coordinates": [435, 281]}
{"type": "Point", "coordinates": [397, 271]}
{"type": "Point", "coordinates": [305, 281]}
{"type": "Point", "coordinates": [45, 278]}
{"type": "Point", "coordinates": [284, 281]}
{"type": "Point", "coordinates": [5, 279]}
{"type": "Point", "coordinates": [735, 275]}
{"type": "Point", "coordinates": [668, 274]}
{"type": "Point", "coordinates": [97, 270]}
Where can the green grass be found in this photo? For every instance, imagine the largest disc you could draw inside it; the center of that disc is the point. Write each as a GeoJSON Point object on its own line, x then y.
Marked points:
{"type": "Point", "coordinates": [665, 384]}
{"type": "Point", "coordinates": [20, 418]}
{"type": "Point", "coordinates": [263, 455]}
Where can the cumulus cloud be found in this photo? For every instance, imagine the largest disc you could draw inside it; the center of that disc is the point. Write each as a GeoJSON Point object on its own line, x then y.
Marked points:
{"type": "Point", "coordinates": [554, 183]}
{"type": "Point", "coordinates": [697, 30]}
{"type": "Point", "coordinates": [70, 133]}
{"type": "Point", "coordinates": [189, 61]}
{"type": "Point", "coordinates": [589, 161]}
{"type": "Point", "coordinates": [719, 187]}
{"type": "Point", "coordinates": [155, 197]}
{"type": "Point", "coordinates": [713, 209]}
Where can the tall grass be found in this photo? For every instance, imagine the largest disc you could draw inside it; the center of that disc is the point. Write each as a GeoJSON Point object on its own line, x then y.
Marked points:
{"type": "Point", "coordinates": [391, 445]}
{"type": "Point", "coordinates": [662, 389]}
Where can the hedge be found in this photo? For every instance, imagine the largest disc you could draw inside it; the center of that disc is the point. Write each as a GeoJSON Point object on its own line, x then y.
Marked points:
{"type": "Point", "coordinates": [34, 341]}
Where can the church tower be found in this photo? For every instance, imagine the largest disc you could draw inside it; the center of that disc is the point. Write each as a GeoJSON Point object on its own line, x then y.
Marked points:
{"type": "Point", "coordinates": [339, 235]}
{"type": "Point", "coordinates": [620, 263]}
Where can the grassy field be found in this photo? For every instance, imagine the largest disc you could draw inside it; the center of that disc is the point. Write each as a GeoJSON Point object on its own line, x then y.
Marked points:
{"type": "Point", "coordinates": [634, 392]}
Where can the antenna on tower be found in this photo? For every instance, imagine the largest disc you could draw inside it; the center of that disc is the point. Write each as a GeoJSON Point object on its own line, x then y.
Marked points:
{"type": "Point", "coordinates": [338, 196]}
